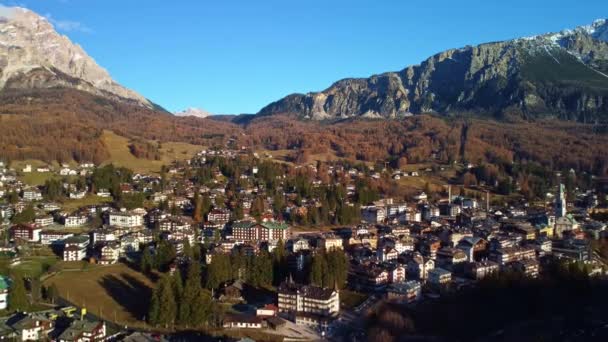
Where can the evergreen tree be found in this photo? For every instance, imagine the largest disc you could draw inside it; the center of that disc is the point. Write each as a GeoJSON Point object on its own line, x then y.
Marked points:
{"type": "Point", "coordinates": [163, 310]}
{"type": "Point", "coordinates": [17, 296]}
{"type": "Point", "coordinates": [146, 261]}
{"type": "Point", "coordinates": [190, 314]}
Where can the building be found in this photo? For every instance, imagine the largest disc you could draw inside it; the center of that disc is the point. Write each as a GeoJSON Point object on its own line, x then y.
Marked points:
{"type": "Point", "coordinates": [506, 255]}
{"type": "Point", "coordinates": [109, 254]}
{"type": "Point", "coordinates": [84, 330]}
{"type": "Point", "coordinates": [560, 202]}
{"type": "Point", "coordinates": [265, 231]}
{"type": "Point", "coordinates": [4, 288]}
{"type": "Point", "coordinates": [330, 241]}
{"type": "Point", "coordinates": [438, 277]}
{"type": "Point", "coordinates": [25, 232]}
{"type": "Point", "coordinates": [43, 221]}
{"type": "Point", "coordinates": [32, 327]}
{"type": "Point", "coordinates": [481, 269]}
{"type": "Point", "coordinates": [174, 223]}
{"type": "Point", "coordinates": [408, 292]}
{"type": "Point", "coordinates": [75, 248]}
{"type": "Point", "coordinates": [232, 321]}
{"type": "Point", "coordinates": [75, 220]}
{"type": "Point", "coordinates": [529, 267]}
{"type": "Point", "coordinates": [126, 219]}
{"type": "Point", "coordinates": [50, 237]}
{"type": "Point", "coordinates": [307, 304]}
{"type": "Point", "coordinates": [219, 215]}
{"type": "Point", "coordinates": [32, 194]}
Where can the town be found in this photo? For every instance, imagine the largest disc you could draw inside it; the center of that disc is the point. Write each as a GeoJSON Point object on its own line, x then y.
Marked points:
{"type": "Point", "coordinates": [233, 243]}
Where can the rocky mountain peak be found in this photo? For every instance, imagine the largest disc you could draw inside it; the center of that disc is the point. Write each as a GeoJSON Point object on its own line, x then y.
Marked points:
{"type": "Point", "coordinates": [196, 112]}
{"type": "Point", "coordinates": [34, 55]}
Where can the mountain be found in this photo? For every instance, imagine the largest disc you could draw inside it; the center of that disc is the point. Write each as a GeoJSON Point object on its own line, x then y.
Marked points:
{"type": "Point", "coordinates": [561, 74]}
{"type": "Point", "coordinates": [33, 55]}
{"type": "Point", "coordinates": [196, 112]}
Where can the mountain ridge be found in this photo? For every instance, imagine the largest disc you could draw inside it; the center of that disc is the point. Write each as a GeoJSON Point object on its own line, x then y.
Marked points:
{"type": "Point", "coordinates": [562, 74]}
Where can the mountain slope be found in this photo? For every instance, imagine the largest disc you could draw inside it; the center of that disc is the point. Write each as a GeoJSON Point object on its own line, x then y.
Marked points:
{"type": "Point", "coordinates": [34, 55]}
{"type": "Point", "coordinates": [563, 74]}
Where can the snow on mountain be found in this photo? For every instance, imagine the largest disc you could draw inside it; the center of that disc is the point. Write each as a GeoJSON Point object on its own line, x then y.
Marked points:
{"type": "Point", "coordinates": [199, 113]}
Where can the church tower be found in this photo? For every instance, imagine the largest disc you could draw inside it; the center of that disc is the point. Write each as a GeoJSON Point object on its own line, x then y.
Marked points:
{"type": "Point", "coordinates": [560, 202]}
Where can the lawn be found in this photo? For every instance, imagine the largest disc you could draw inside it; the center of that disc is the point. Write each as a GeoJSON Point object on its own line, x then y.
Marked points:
{"type": "Point", "coordinates": [74, 204]}
{"type": "Point", "coordinates": [116, 293]}
{"type": "Point", "coordinates": [34, 266]}
{"type": "Point", "coordinates": [37, 178]}
{"type": "Point", "coordinates": [118, 147]}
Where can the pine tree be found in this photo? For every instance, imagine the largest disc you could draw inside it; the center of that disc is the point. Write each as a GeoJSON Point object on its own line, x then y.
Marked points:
{"type": "Point", "coordinates": [146, 262]}
{"type": "Point", "coordinates": [166, 302]}
{"type": "Point", "coordinates": [189, 313]}
{"type": "Point", "coordinates": [17, 296]}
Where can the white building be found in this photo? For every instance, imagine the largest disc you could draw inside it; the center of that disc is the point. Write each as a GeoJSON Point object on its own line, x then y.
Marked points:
{"type": "Point", "coordinates": [126, 219]}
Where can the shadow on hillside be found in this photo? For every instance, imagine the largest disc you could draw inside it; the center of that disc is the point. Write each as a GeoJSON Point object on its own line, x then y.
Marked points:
{"type": "Point", "coordinates": [130, 293]}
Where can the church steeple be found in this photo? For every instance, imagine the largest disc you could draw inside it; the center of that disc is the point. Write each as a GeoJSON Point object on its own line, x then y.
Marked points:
{"type": "Point", "coordinates": [560, 202]}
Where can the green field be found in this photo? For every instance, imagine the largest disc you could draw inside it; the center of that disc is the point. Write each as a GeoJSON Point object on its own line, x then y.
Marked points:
{"type": "Point", "coordinates": [116, 292]}
{"type": "Point", "coordinates": [73, 204]}
{"type": "Point", "coordinates": [118, 147]}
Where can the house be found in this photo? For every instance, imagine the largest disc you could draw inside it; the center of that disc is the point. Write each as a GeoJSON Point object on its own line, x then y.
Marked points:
{"type": "Point", "coordinates": [473, 247]}
{"type": "Point", "coordinates": [419, 266]}
{"type": "Point", "coordinates": [25, 232]}
{"type": "Point", "coordinates": [448, 256]}
{"type": "Point", "coordinates": [330, 241]}
{"type": "Point", "coordinates": [49, 237]}
{"type": "Point", "coordinates": [103, 193]}
{"type": "Point", "coordinates": [32, 194]}
{"type": "Point", "coordinates": [506, 255]}
{"type": "Point", "coordinates": [109, 253]}
{"type": "Point", "coordinates": [373, 214]}
{"type": "Point", "coordinates": [75, 248]}
{"type": "Point", "coordinates": [32, 327]}
{"type": "Point", "coordinates": [387, 254]}
{"type": "Point", "coordinates": [480, 269]}
{"type": "Point", "coordinates": [408, 292]}
{"type": "Point", "coordinates": [529, 267]}
{"type": "Point", "coordinates": [174, 223]}
{"type": "Point", "coordinates": [77, 194]}
{"type": "Point", "coordinates": [299, 244]}
{"type": "Point", "coordinates": [269, 310]}
{"type": "Point", "coordinates": [76, 220]}
{"type": "Point", "coordinates": [43, 221]}
{"type": "Point", "coordinates": [219, 215]}
{"type": "Point", "coordinates": [307, 300]}
{"type": "Point", "coordinates": [126, 219]}
{"type": "Point", "coordinates": [438, 277]}
{"type": "Point", "coordinates": [232, 321]}
{"type": "Point", "coordinates": [73, 253]}
{"type": "Point", "coordinates": [368, 277]}
{"type": "Point", "coordinates": [84, 330]}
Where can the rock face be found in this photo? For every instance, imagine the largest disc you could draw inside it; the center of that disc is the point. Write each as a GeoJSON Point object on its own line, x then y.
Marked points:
{"type": "Point", "coordinates": [34, 55]}
{"type": "Point", "coordinates": [561, 74]}
{"type": "Point", "coordinates": [196, 112]}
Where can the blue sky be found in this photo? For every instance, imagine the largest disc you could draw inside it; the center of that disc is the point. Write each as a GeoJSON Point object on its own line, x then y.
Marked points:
{"type": "Point", "coordinates": [229, 56]}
